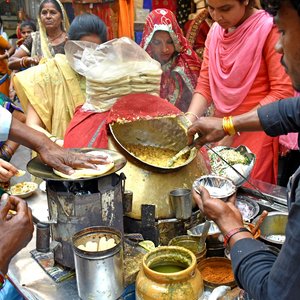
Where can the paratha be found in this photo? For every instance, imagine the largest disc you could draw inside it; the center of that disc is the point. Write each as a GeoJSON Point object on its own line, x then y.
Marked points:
{"type": "Point", "coordinates": [85, 172]}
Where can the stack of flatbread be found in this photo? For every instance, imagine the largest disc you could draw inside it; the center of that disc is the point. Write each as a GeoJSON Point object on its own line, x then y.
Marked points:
{"type": "Point", "coordinates": [132, 79]}
{"type": "Point", "coordinates": [114, 69]}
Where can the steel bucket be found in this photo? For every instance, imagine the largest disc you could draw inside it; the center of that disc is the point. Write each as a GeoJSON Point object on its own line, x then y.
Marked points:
{"type": "Point", "coordinates": [99, 274]}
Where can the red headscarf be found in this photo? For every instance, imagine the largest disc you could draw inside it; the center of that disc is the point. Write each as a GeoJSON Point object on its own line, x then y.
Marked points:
{"type": "Point", "coordinates": [179, 77]}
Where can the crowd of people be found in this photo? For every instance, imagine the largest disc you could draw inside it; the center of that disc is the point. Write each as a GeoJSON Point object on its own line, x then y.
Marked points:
{"type": "Point", "coordinates": [240, 71]}
{"type": "Point", "coordinates": [249, 63]}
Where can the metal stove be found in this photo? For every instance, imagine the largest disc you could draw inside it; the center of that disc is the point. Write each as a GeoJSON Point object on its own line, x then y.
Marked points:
{"type": "Point", "coordinates": [77, 204]}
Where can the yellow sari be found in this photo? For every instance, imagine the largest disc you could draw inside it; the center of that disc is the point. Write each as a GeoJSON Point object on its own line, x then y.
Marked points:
{"type": "Point", "coordinates": [54, 90]}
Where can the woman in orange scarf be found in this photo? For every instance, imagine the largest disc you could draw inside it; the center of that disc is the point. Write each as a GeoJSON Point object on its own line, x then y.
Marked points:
{"type": "Point", "coordinates": [240, 72]}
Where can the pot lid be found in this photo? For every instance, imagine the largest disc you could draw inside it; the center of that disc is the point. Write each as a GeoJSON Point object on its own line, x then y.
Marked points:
{"type": "Point", "coordinates": [37, 168]}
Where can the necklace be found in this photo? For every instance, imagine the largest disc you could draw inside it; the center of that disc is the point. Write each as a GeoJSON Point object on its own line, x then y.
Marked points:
{"type": "Point", "coordinates": [55, 38]}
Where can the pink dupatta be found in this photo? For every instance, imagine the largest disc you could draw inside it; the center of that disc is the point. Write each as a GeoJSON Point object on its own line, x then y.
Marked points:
{"type": "Point", "coordinates": [235, 58]}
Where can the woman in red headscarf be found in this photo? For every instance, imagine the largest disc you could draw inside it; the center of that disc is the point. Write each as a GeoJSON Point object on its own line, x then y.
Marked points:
{"type": "Point", "coordinates": [164, 41]}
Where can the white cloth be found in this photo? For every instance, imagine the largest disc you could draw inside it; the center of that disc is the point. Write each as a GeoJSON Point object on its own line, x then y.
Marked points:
{"type": "Point", "coordinates": [5, 123]}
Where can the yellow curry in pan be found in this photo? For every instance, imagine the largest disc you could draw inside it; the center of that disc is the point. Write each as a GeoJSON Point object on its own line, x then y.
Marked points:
{"type": "Point", "coordinates": [155, 156]}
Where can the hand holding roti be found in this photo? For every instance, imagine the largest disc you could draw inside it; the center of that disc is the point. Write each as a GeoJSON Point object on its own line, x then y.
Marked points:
{"type": "Point", "coordinates": [88, 172]}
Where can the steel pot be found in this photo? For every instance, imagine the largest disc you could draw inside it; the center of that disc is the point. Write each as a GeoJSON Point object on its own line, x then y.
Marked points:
{"type": "Point", "coordinates": [272, 230]}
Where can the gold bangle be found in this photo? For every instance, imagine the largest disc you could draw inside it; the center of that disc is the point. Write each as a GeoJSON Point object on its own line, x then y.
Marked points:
{"type": "Point", "coordinates": [228, 126]}
{"type": "Point", "coordinates": [192, 114]}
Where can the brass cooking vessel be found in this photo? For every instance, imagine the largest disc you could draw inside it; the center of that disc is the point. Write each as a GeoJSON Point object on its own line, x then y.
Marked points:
{"type": "Point", "coordinates": [149, 184]}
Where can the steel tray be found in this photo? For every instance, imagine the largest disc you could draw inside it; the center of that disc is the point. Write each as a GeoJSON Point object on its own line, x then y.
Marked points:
{"type": "Point", "coordinates": [37, 168]}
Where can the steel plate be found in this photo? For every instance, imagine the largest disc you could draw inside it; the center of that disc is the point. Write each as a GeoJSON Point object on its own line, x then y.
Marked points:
{"type": "Point", "coordinates": [37, 168]}
{"type": "Point", "coordinates": [249, 208]}
{"type": "Point", "coordinates": [222, 168]}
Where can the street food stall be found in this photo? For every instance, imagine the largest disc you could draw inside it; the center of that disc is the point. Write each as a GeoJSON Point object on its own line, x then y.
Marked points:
{"type": "Point", "coordinates": [143, 201]}
{"type": "Point", "coordinates": [69, 206]}
{"type": "Point", "coordinates": [34, 283]}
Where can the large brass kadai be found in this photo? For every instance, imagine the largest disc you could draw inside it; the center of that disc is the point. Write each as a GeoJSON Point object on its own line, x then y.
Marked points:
{"type": "Point", "coordinates": [151, 183]}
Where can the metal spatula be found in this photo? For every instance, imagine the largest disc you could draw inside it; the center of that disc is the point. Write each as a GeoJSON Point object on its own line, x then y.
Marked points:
{"type": "Point", "coordinates": [182, 152]}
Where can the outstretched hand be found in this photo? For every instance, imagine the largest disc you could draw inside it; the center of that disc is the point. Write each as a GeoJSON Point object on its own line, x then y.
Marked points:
{"type": "Point", "coordinates": [209, 129]}
{"type": "Point", "coordinates": [52, 154]}
{"type": "Point", "coordinates": [7, 170]}
{"type": "Point", "coordinates": [15, 231]}
{"type": "Point", "coordinates": [66, 161]}
{"type": "Point", "coordinates": [225, 214]}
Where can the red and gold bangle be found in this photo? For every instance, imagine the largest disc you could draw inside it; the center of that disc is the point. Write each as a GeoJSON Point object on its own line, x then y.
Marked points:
{"type": "Point", "coordinates": [2, 280]}
{"type": "Point", "coordinates": [228, 126]}
{"type": "Point", "coordinates": [232, 232]}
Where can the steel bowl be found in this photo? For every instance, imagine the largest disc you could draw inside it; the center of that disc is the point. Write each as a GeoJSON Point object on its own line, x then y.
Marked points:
{"type": "Point", "coordinates": [196, 231]}
{"type": "Point", "coordinates": [272, 230]}
{"type": "Point", "coordinates": [214, 235]}
{"type": "Point", "coordinates": [249, 208]}
{"type": "Point", "coordinates": [23, 189]}
{"type": "Point", "coordinates": [217, 186]}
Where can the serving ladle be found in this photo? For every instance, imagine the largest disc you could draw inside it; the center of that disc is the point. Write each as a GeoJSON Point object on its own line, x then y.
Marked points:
{"type": "Point", "coordinates": [204, 233]}
{"type": "Point", "coordinates": [182, 152]}
{"type": "Point", "coordinates": [259, 222]}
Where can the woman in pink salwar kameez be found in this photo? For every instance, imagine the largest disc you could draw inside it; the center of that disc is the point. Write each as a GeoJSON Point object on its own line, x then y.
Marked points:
{"type": "Point", "coordinates": [240, 72]}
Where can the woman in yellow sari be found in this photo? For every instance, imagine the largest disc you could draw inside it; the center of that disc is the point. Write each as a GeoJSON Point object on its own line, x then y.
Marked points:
{"type": "Point", "coordinates": [50, 92]}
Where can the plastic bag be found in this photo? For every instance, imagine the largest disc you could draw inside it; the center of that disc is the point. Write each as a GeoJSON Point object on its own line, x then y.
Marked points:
{"type": "Point", "coordinates": [116, 68]}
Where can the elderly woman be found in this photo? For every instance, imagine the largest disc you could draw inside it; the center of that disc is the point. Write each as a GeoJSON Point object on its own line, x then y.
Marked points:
{"type": "Point", "coordinates": [164, 41]}
{"type": "Point", "coordinates": [48, 41]}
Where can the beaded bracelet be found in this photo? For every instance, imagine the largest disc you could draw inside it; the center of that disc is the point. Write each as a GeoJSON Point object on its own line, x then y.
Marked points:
{"type": "Point", "coordinates": [228, 126]}
{"type": "Point", "coordinates": [192, 114]}
{"type": "Point", "coordinates": [232, 232]}
{"type": "Point", "coordinates": [8, 148]}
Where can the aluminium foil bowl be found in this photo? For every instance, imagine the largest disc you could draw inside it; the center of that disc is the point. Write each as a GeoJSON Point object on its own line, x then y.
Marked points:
{"type": "Point", "coordinates": [218, 186]}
